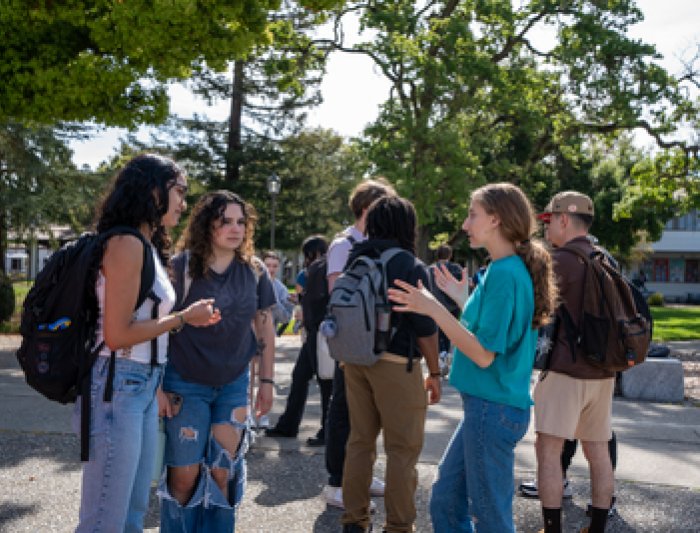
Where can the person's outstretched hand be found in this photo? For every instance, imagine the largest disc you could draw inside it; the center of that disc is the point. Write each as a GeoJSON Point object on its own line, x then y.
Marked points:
{"type": "Point", "coordinates": [415, 299]}
{"type": "Point", "coordinates": [447, 283]}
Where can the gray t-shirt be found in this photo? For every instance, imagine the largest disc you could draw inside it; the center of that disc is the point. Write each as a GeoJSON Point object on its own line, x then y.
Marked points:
{"type": "Point", "coordinates": [218, 354]}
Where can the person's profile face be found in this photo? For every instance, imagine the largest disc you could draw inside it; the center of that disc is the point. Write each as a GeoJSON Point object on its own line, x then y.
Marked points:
{"type": "Point", "coordinates": [177, 204]}
{"type": "Point", "coordinates": [273, 265]}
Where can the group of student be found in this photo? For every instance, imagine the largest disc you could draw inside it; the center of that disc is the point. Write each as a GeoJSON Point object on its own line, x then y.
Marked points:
{"type": "Point", "coordinates": [215, 315]}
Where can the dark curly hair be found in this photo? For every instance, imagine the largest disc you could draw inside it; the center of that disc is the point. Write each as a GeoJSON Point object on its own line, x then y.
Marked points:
{"type": "Point", "coordinates": [393, 218]}
{"type": "Point", "coordinates": [198, 233]}
{"type": "Point", "coordinates": [138, 195]}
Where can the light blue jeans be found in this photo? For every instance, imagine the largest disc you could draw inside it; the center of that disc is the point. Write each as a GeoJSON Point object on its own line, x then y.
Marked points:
{"type": "Point", "coordinates": [189, 441]}
{"type": "Point", "coordinates": [474, 488]}
{"type": "Point", "coordinates": [123, 440]}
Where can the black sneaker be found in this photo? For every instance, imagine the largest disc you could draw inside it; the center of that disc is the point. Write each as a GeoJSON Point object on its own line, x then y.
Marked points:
{"type": "Point", "coordinates": [356, 528]}
{"type": "Point", "coordinates": [274, 432]}
{"type": "Point", "coordinates": [316, 441]}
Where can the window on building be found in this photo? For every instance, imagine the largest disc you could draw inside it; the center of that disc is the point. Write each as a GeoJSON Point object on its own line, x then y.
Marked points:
{"type": "Point", "coordinates": [660, 269]}
{"type": "Point", "coordinates": [676, 270]}
{"type": "Point", "coordinates": [15, 264]}
{"type": "Point", "coordinates": [692, 271]}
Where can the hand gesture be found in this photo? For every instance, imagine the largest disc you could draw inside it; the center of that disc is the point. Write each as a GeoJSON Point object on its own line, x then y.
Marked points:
{"type": "Point", "coordinates": [415, 299]}
{"type": "Point", "coordinates": [202, 313]}
{"type": "Point", "coordinates": [447, 283]}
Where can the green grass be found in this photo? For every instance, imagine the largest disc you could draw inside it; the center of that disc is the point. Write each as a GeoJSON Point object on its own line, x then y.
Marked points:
{"type": "Point", "coordinates": [677, 323]}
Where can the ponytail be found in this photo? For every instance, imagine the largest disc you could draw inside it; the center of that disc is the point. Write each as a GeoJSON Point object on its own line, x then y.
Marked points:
{"type": "Point", "coordinates": [539, 264]}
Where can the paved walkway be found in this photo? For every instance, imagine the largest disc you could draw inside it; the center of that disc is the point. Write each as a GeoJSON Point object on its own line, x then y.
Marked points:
{"type": "Point", "coordinates": [658, 477]}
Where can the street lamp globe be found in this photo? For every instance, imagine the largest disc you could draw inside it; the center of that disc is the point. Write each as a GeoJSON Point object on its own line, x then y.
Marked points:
{"type": "Point", "coordinates": [273, 187]}
{"type": "Point", "coordinates": [273, 184]}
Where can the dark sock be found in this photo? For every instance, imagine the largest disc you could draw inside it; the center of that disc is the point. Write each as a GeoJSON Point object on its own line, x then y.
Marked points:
{"type": "Point", "coordinates": [598, 518]}
{"type": "Point", "coordinates": [552, 519]}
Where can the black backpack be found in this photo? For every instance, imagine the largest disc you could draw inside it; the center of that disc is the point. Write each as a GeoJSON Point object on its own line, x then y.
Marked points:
{"type": "Point", "coordinates": [59, 322]}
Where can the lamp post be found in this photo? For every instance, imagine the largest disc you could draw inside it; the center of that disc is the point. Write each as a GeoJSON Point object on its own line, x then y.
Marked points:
{"type": "Point", "coordinates": [273, 187]}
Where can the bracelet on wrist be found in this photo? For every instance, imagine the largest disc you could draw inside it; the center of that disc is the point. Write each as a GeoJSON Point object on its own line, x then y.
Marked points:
{"type": "Point", "coordinates": [181, 318]}
{"type": "Point", "coordinates": [267, 380]}
{"type": "Point", "coordinates": [435, 374]}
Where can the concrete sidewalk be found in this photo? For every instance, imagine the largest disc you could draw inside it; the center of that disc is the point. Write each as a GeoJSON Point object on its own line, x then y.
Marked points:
{"type": "Point", "coordinates": [658, 476]}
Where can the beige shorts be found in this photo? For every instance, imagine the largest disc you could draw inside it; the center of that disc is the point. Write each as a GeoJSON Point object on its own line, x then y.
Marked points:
{"type": "Point", "coordinates": [573, 408]}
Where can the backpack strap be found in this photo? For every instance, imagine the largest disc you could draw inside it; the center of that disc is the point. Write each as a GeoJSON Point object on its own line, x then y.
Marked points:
{"type": "Point", "coordinates": [388, 255]}
{"type": "Point", "coordinates": [185, 276]}
{"type": "Point", "coordinates": [148, 275]}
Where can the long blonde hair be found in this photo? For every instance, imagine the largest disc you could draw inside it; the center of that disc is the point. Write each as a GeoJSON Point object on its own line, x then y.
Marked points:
{"type": "Point", "coordinates": [518, 225]}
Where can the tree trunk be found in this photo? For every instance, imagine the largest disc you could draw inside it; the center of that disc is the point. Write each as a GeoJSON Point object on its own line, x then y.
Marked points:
{"type": "Point", "coordinates": [3, 219]}
{"type": "Point", "coordinates": [3, 239]}
{"type": "Point", "coordinates": [233, 153]}
{"type": "Point", "coordinates": [422, 241]}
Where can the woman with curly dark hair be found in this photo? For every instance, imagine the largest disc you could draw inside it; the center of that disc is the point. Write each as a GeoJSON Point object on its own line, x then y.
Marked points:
{"type": "Point", "coordinates": [207, 376]}
{"type": "Point", "coordinates": [148, 195]}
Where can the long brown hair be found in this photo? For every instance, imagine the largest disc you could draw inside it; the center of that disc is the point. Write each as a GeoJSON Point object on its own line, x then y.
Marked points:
{"type": "Point", "coordinates": [518, 225]}
{"type": "Point", "coordinates": [198, 233]}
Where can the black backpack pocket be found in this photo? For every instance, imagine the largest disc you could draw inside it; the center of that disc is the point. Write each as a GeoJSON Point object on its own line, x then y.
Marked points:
{"type": "Point", "coordinates": [595, 331]}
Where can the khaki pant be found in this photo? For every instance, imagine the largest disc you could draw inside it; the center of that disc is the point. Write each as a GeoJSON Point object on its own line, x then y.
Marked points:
{"type": "Point", "coordinates": [572, 408]}
{"type": "Point", "coordinates": [384, 396]}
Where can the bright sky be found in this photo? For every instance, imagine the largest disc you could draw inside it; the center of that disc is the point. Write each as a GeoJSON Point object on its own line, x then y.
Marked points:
{"type": "Point", "coordinates": [353, 88]}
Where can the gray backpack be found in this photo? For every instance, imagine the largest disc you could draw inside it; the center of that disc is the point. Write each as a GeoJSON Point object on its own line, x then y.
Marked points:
{"type": "Point", "coordinates": [358, 323]}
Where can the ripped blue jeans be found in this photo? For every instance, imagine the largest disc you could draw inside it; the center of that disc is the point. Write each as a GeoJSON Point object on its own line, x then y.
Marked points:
{"type": "Point", "coordinates": [189, 441]}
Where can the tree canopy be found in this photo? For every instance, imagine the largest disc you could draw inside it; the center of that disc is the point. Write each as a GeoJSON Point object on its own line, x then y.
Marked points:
{"type": "Point", "coordinates": [108, 61]}
{"type": "Point", "coordinates": [475, 98]}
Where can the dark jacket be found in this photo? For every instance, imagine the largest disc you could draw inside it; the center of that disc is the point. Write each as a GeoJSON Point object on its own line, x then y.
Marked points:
{"type": "Point", "coordinates": [569, 270]}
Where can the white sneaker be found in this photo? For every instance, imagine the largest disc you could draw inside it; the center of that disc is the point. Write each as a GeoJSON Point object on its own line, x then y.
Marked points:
{"type": "Point", "coordinates": [529, 489]}
{"type": "Point", "coordinates": [377, 487]}
{"type": "Point", "coordinates": [334, 498]}
{"type": "Point", "coordinates": [263, 422]}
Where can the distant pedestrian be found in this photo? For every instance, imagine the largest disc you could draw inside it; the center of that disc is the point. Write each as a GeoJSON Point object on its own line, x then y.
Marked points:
{"type": "Point", "coordinates": [283, 310]}
{"type": "Point", "coordinates": [148, 194]}
{"type": "Point", "coordinates": [495, 348]}
{"type": "Point", "coordinates": [443, 256]}
{"type": "Point", "coordinates": [314, 300]}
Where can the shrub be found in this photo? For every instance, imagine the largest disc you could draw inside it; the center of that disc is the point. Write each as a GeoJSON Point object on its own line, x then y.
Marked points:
{"type": "Point", "coordinates": [656, 299]}
{"type": "Point", "coordinates": [7, 298]}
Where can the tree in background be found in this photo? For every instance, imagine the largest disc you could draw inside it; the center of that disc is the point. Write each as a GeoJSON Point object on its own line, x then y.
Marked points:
{"type": "Point", "coordinates": [109, 62]}
{"type": "Point", "coordinates": [475, 98]}
{"type": "Point", "coordinates": [39, 184]}
{"type": "Point", "coordinates": [317, 170]}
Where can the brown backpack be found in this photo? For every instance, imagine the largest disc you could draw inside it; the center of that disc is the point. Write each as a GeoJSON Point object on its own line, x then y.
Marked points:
{"type": "Point", "coordinates": [611, 333]}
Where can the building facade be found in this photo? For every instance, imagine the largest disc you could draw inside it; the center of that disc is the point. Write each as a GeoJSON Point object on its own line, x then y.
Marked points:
{"type": "Point", "coordinates": [673, 267]}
